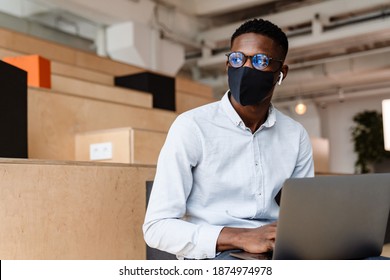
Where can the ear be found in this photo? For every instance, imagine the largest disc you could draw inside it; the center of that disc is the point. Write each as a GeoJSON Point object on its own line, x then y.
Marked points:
{"type": "Point", "coordinates": [284, 70]}
{"type": "Point", "coordinates": [283, 74]}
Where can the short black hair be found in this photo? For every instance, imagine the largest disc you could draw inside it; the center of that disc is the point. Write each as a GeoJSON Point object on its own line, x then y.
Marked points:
{"type": "Point", "coordinates": [263, 27]}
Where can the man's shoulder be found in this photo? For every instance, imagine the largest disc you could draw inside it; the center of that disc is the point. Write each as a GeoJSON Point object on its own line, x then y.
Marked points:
{"type": "Point", "coordinates": [284, 119]}
{"type": "Point", "coordinates": [192, 120]}
{"type": "Point", "coordinates": [201, 111]}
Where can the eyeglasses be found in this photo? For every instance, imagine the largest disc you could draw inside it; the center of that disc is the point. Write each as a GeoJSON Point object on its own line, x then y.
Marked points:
{"type": "Point", "coordinates": [259, 61]}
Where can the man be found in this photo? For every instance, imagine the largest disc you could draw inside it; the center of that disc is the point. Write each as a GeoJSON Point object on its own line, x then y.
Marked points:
{"type": "Point", "coordinates": [223, 164]}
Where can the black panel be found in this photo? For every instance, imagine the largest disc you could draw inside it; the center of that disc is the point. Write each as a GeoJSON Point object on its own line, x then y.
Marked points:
{"type": "Point", "coordinates": [151, 253]}
{"type": "Point", "coordinates": [13, 113]}
{"type": "Point", "coordinates": [161, 87]}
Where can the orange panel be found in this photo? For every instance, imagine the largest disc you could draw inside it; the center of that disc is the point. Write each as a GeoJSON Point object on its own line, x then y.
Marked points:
{"type": "Point", "coordinates": [37, 67]}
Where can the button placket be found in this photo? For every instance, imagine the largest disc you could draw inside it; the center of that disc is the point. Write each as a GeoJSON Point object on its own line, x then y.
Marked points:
{"type": "Point", "coordinates": [258, 175]}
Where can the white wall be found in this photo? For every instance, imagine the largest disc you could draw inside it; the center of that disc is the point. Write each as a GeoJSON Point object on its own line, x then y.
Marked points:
{"type": "Point", "coordinates": [336, 121]}
{"type": "Point", "coordinates": [339, 120]}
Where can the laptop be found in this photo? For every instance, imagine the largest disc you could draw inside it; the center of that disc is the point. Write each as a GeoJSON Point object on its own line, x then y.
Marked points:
{"type": "Point", "coordinates": [331, 217]}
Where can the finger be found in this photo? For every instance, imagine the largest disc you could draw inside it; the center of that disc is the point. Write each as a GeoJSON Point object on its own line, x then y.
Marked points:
{"type": "Point", "coordinates": [271, 245]}
{"type": "Point", "coordinates": [271, 234]}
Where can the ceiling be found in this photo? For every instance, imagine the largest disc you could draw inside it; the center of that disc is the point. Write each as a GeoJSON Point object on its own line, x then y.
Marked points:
{"type": "Point", "coordinates": [338, 48]}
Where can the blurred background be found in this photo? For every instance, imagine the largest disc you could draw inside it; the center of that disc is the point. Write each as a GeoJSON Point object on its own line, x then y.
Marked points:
{"type": "Point", "coordinates": [89, 89]}
{"type": "Point", "coordinates": [339, 55]}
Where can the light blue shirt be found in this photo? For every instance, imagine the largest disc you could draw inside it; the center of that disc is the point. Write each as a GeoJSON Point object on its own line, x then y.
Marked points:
{"type": "Point", "coordinates": [213, 172]}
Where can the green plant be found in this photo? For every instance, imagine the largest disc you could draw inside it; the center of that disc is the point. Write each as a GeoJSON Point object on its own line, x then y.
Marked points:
{"type": "Point", "coordinates": [367, 136]}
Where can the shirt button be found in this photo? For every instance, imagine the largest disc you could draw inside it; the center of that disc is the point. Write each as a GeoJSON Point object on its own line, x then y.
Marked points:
{"type": "Point", "coordinates": [256, 163]}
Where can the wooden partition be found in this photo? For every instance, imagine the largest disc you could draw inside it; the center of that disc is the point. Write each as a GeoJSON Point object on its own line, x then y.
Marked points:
{"type": "Point", "coordinates": [386, 250]}
{"type": "Point", "coordinates": [101, 92]}
{"type": "Point", "coordinates": [126, 145]}
{"type": "Point", "coordinates": [55, 118]}
{"type": "Point", "coordinates": [320, 154]}
{"type": "Point", "coordinates": [72, 210]}
{"type": "Point", "coordinates": [25, 44]}
{"type": "Point", "coordinates": [84, 98]}
{"type": "Point", "coordinates": [190, 94]}
{"type": "Point", "coordinates": [69, 70]}
{"type": "Point", "coordinates": [6, 52]}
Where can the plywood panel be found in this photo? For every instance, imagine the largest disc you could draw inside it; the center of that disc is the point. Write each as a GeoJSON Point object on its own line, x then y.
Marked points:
{"type": "Point", "coordinates": [115, 68]}
{"type": "Point", "coordinates": [195, 88]}
{"type": "Point", "coordinates": [129, 145]}
{"type": "Point", "coordinates": [146, 146]}
{"type": "Point", "coordinates": [23, 43]}
{"type": "Point", "coordinates": [101, 92]}
{"type": "Point", "coordinates": [81, 73]}
{"type": "Point", "coordinates": [119, 138]}
{"type": "Point", "coordinates": [55, 118]}
{"type": "Point", "coordinates": [5, 52]}
{"type": "Point", "coordinates": [30, 45]}
{"type": "Point", "coordinates": [386, 250]}
{"type": "Point", "coordinates": [320, 154]}
{"type": "Point", "coordinates": [185, 102]}
{"type": "Point", "coordinates": [54, 210]}
{"type": "Point", "coordinates": [70, 70]}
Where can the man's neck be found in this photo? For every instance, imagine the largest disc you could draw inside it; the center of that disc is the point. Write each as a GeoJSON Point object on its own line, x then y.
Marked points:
{"type": "Point", "coordinates": [253, 116]}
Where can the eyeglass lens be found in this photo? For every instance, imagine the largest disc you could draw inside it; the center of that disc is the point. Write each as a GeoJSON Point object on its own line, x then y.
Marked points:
{"type": "Point", "coordinates": [238, 59]}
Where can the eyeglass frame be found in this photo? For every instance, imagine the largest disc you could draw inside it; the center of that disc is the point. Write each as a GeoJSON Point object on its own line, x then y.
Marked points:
{"type": "Point", "coordinates": [269, 59]}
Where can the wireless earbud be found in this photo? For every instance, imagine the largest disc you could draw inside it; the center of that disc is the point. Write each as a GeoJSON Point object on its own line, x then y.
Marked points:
{"type": "Point", "coordinates": [280, 78]}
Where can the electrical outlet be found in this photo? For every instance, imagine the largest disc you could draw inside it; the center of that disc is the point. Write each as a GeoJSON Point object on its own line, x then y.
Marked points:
{"type": "Point", "coordinates": [100, 151]}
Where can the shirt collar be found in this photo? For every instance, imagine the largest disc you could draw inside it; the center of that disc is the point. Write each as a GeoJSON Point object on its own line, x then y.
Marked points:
{"type": "Point", "coordinates": [271, 120]}
{"type": "Point", "coordinates": [235, 118]}
{"type": "Point", "coordinates": [230, 111]}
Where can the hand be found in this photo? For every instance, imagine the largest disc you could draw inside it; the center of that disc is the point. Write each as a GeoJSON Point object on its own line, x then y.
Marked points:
{"type": "Point", "coordinates": [259, 240]}
{"type": "Point", "coordinates": [252, 240]}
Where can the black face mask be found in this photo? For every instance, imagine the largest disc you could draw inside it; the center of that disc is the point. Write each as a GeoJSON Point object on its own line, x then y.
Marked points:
{"type": "Point", "coordinates": [250, 86]}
